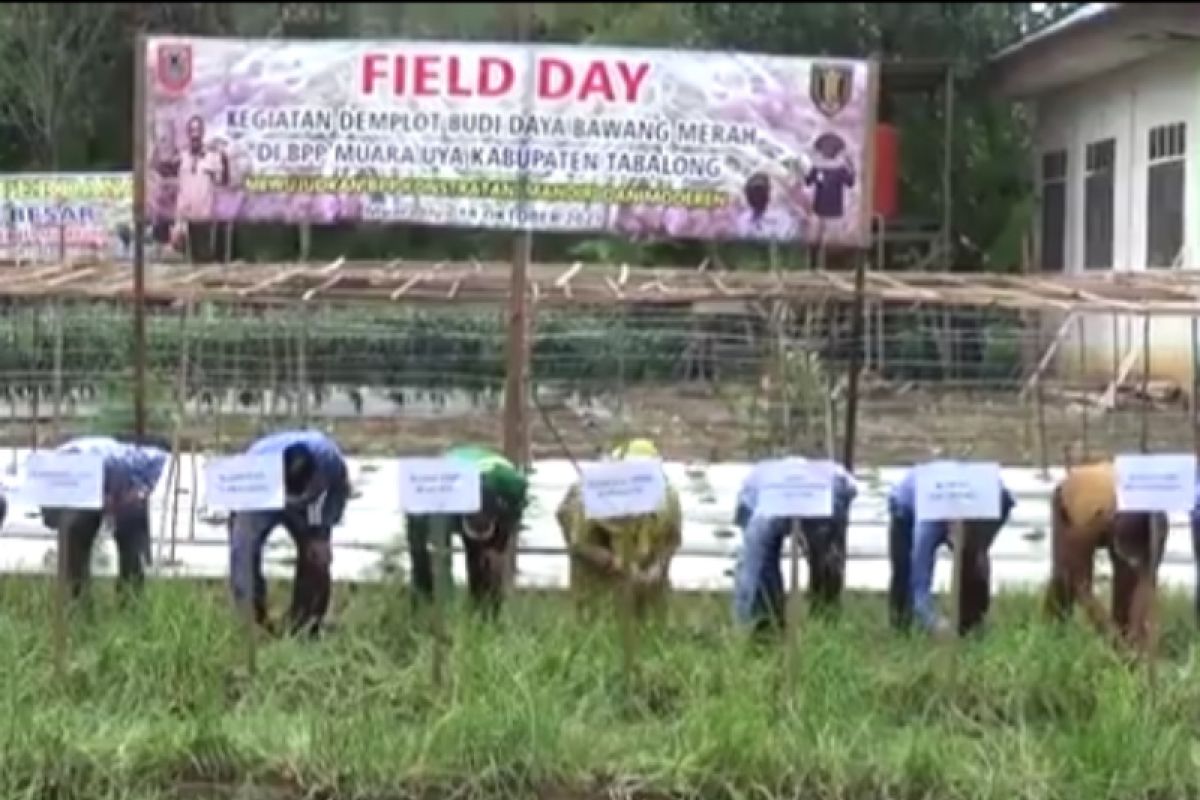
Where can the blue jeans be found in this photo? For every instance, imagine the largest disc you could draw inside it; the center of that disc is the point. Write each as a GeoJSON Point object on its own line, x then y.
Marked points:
{"type": "Point", "coordinates": [976, 589]}
{"type": "Point", "coordinates": [758, 589]}
{"type": "Point", "coordinates": [313, 582]}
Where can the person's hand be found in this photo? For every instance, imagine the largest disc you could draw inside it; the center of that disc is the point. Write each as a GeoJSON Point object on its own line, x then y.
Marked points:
{"type": "Point", "coordinates": [645, 578]}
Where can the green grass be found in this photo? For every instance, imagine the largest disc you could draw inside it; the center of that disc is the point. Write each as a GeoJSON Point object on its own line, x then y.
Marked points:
{"type": "Point", "coordinates": [156, 703]}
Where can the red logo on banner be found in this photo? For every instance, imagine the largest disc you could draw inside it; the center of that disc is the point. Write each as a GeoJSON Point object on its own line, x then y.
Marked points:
{"type": "Point", "coordinates": [174, 66]}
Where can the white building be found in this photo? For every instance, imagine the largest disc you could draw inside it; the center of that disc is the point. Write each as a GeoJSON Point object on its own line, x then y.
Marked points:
{"type": "Point", "coordinates": [1114, 92]}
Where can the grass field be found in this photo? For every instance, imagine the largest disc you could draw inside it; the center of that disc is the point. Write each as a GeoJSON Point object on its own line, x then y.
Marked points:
{"type": "Point", "coordinates": [156, 703]}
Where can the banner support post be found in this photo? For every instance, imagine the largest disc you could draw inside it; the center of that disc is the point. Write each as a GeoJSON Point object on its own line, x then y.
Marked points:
{"type": "Point", "coordinates": [139, 236]}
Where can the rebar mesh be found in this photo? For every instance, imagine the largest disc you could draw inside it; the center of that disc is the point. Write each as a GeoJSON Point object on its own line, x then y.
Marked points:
{"type": "Point", "coordinates": [717, 381]}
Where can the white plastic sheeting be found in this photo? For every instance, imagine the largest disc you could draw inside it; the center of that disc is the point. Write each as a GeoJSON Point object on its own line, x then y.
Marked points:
{"type": "Point", "coordinates": [373, 525]}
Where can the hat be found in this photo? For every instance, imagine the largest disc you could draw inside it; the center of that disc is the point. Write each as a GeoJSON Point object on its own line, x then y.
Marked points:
{"type": "Point", "coordinates": [636, 449]}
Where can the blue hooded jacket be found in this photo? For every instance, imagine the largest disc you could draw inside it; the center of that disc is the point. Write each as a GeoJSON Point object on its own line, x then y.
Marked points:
{"type": "Point", "coordinates": [127, 467]}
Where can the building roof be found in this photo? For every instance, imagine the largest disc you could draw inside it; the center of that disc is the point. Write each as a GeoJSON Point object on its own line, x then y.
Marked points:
{"type": "Point", "coordinates": [1092, 12]}
{"type": "Point", "coordinates": [1092, 41]}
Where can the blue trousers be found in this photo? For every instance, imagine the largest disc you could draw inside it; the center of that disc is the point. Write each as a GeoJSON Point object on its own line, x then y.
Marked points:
{"type": "Point", "coordinates": [976, 589]}
{"type": "Point", "coordinates": [312, 584]}
{"type": "Point", "coordinates": [759, 598]}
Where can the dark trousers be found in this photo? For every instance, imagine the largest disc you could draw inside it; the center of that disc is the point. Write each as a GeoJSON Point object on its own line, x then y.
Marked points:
{"type": "Point", "coordinates": [207, 241]}
{"type": "Point", "coordinates": [1195, 524]}
{"type": "Point", "coordinates": [77, 531]}
{"type": "Point", "coordinates": [1127, 537]}
{"type": "Point", "coordinates": [312, 582]}
{"type": "Point", "coordinates": [975, 592]}
{"type": "Point", "coordinates": [485, 561]}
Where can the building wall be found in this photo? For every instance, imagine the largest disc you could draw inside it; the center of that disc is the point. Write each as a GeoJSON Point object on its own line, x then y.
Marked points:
{"type": "Point", "coordinates": [1125, 105]}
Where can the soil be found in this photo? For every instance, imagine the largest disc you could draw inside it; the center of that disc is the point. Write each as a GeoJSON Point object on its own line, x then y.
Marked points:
{"type": "Point", "coordinates": [895, 425]}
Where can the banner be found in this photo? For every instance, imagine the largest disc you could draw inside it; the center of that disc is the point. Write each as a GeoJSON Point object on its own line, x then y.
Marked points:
{"type": "Point", "coordinates": [49, 217]}
{"type": "Point", "coordinates": [644, 143]}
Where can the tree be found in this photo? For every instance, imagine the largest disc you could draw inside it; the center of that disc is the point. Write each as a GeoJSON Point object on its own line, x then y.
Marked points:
{"type": "Point", "coordinates": [49, 53]}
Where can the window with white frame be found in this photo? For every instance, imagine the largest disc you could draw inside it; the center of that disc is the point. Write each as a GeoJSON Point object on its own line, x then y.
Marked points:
{"type": "Point", "coordinates": [1165, 194]}
{"type": "Point", "coordinates": [1099, 200]}
{"type": "Point", "coordinates": [1053, 249]}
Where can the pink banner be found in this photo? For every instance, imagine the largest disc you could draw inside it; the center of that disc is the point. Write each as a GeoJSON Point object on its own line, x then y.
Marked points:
{"type": "Point", "coordinates": [646, 143]}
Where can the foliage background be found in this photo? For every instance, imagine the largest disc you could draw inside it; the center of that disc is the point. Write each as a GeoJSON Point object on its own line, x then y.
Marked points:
{"type": "Point", "coordinates": [64, 102]}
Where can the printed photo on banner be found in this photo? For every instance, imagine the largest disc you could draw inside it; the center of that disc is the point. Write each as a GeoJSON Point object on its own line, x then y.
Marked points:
{"type": "Point", "coordinates": [644, 143]}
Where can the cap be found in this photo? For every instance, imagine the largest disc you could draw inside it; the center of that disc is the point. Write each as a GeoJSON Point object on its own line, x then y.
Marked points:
{"type": "Point", "coordinates": [636, 448]}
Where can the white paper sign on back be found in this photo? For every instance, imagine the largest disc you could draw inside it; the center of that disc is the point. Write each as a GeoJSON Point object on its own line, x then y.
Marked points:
{"type": "Point", "coordinates": [1156, 482]}
{"type": "Point", "coordinates": [794, 487]}
{"type": "Point", "coordinates": [613, 489]}
{"type": "Point", "coordinates": [66, 480]}
{"type": "Point", "coordinates": [439, 486]}
{"type": "Point", "coordinates": [251, 482]}
{"type": "Point", "coordinates": [958, 490]}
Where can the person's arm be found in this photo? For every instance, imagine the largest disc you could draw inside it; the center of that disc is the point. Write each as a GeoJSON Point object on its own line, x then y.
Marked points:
{"type": "Point", "coordinates": [848, 167]}
{"type": "Point", "coordinates": [223, 170]}
{"type": "Point", "coordinates": [668, 542]}
{"type": "Point", "coordinates": [569, 520]}
{"type": "Point", "coordinates": [926, 538]}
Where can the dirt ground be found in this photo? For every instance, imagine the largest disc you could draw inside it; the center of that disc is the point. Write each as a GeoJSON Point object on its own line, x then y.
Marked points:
{"type": "Point", "coordinates": [896, 424]}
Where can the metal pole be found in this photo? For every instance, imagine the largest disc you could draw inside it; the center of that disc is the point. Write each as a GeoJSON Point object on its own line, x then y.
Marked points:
{"type": "Point", "coordinates": [139, 244]}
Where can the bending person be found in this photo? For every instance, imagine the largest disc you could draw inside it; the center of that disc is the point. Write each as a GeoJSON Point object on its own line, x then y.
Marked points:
{"type": "Point", "coordinates": [609, 555]}
{"type": "Point", "coordinates": [131, 471]}
{"type": "Point", "coordinates": [485, 535]}
{"type": "Point", "coordinates": [912, 550]}
{"type": "Point", "coordinates": [1085, 520]}
{"type": "Point", "coordinates": [317, 486]}
{"type": "Point", "coordinates": [758, 591]}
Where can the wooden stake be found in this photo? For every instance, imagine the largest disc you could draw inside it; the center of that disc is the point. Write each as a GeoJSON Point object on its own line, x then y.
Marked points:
{"type": "Point", "coordinates": [1039, 401]}
{"type": "Point", "coordinates": [439, 547]}
{"type": "Point", "coordinates": [248, 623]}
{"type": "Point", "coordinates": [1195, 424]}
{"type": "Point", "coordinates": [1081, 329]}
{"type": "Point", "coordinates": [1157, 538]}
{"type": "Point", "coordinates": [1144, 439]}
{"type": "Point", "coordinates": [139, 237]}
{"type": "Point", "coordinates": [60, 607]}
{"type": "Point", "coordinates": [193, 500]}
{"type": "Point", "coordinates": [57, 389]}
{"type": "Point", "coordinates": [169, 486]}
{"type": "Point", "coordinates": [35, 389]}
{"type": "Point", "coordinates": [180, 420]}
{"type": "Point", "coordinates": [855, 362]}
{"type": "Point", "coordinates": [516, 379]}
{"type": "Point", "coordinates": [958, 542]}
{"type": "Point", "coordinates": [302, 365]}
{"type": "Point", "coordinates": [792, 617]}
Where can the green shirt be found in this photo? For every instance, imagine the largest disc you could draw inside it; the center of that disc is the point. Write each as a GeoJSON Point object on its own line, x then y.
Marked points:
{"type": "Point", "coordinates": [498, 473]}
